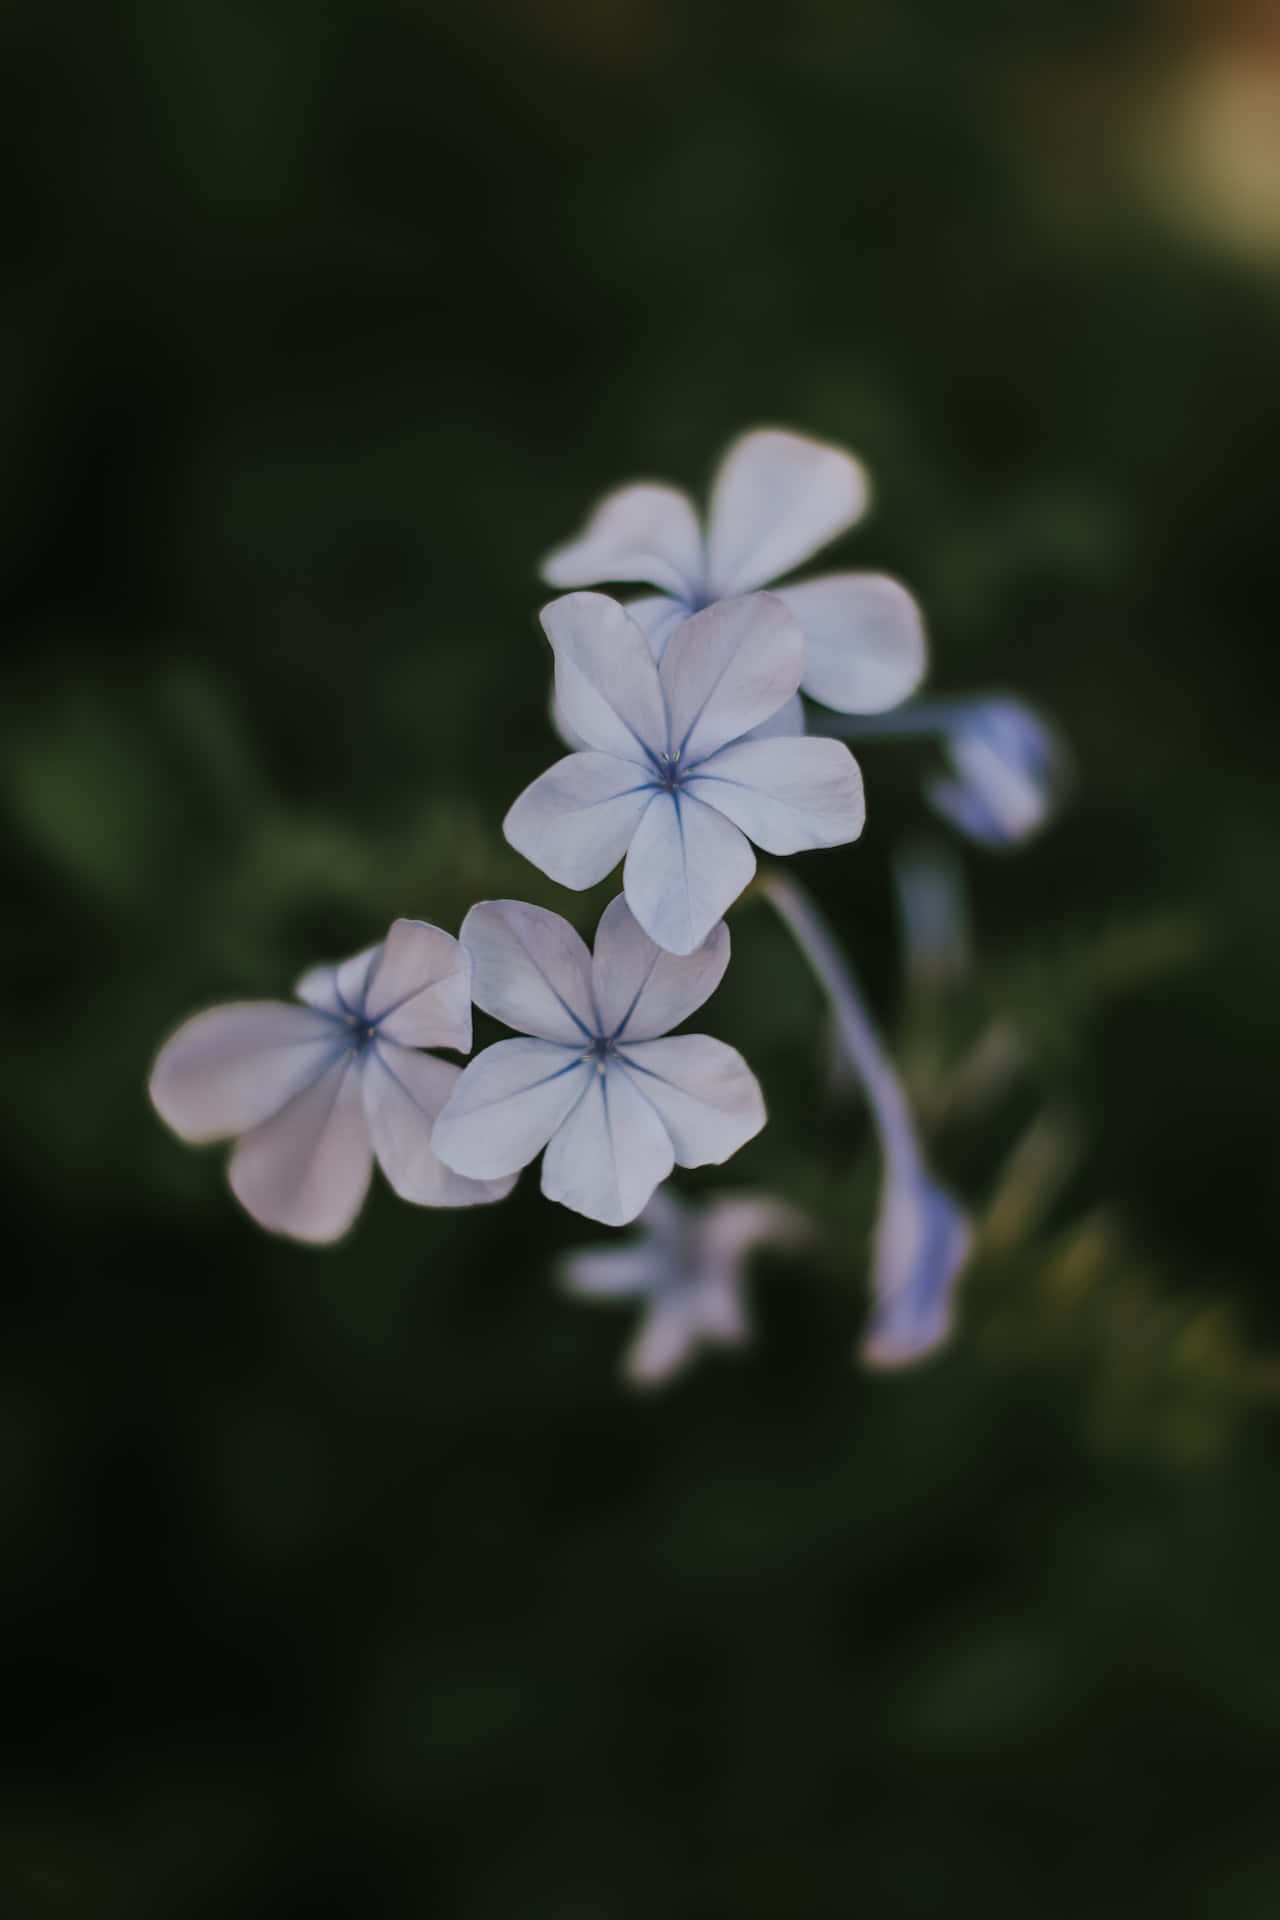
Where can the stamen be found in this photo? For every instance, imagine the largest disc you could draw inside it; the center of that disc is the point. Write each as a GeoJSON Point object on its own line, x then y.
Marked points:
{"type": "Point", "coordinates": [670, 772]}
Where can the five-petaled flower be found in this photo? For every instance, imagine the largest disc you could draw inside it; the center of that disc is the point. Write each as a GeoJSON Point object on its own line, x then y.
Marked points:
{"type": "Point", "coordinates": [687, 1268]}
{"type": "Point", "coordinates": [777, 497]}
{"type": "Point", "coordinates": [314, 1092]}
{"type": "Point", "coordinates": [668, 778]}
{"type": "Point", "coordinates": [614, 1102]}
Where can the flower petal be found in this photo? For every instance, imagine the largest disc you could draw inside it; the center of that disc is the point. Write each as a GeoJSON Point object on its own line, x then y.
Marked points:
{"type": "Point", "coordinates": [530, 970]}
{"type": "Point", "coordinates": [506, 1105]}
{"type": "Point", "coordinates": [419, 991]}
{"type": "Point", "coordinates": [922, 1243]}
{"type": "Point", "coordinates": [642, 991]}
{"type": "Point", "coordinates": [575, 821]}
{"type": "Point", "coordinates": [728, 668]}
{"type": "Point", "coordinates": [404, 1092]}
{"type": "Point", "coordinates": [642, 532]}
{"type": "Point", "coordinates": [657, 615]}
{"type": "Point", "coordinates": [610, 1152]}
{"type": "Point", "coordinates": [339, 987]}
{"type": "Point", "coordinates": [686, 865]}
{"type": "Point", "coordinates": [718, 1309]}
{"type": "Point", "coordinates": [230, 1069]}
{"type": "Point", "coordinates": [785, 794]}
{"type": "Point", "coordinates": [776, 499]}
{"type": "Point", "coordinates": [607, 687]}
{"type": "Point", "coordinates": [788, 720]}
{"type": "Point", "coordinates": [662, 1346]}
{"type": "Point", "coordinates": [729, 1229]}
{"type": "Point", "coordinates": [864, 644]}
{"type": "Point", "coordinates": [305, 1171]}
{"type": "Point", "coordinates": [613, 1273]}
{"type": "Point", "coordinates": [708, 1097]}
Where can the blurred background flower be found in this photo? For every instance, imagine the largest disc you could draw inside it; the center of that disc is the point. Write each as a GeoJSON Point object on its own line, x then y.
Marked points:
{"type": "Point", "coordinates": [687, 1268]}
{"type": "Point", "coordinates": [350, 1582]}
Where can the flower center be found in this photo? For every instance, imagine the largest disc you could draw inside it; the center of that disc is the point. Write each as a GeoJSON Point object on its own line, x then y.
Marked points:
{"type": "Point", "coordinates": [668, 772]}
{"type": "Point", "coordinates": [363, 1033]}
{"type": "Point", "coordinates": [599, 1053]}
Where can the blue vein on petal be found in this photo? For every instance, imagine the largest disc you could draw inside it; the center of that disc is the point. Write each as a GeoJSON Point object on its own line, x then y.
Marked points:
{"type": "Point", "coordinates": [684, 845]}
{"type": "Point", "coordinates": [621, 1027]}
{"type": "Point", "coordinates": [350, 1011]}
{"type": "Point", "coordinates": [634, 1066]}
{"type": "Point", "coordinates": [608, 1127]}
{"type": "Point", "coordinates": [390, 1071]}
{"type": "Point", "coordinates": [346, 1057]}
{"type": "Point", "coordinates": [358, 1013]}
{"type": "Point", "coordinates": [711, 693]}
{"type": "Point", "coordinates": [405, 998]}
{"type": "Point", "coordinates": [555, 993]}
{"type": "Point", "coordinates": [645, 748]}
{"type": "Point", "coordinates": [546, 1079]}
{"type": "Point", "coordinates": [743, 786]}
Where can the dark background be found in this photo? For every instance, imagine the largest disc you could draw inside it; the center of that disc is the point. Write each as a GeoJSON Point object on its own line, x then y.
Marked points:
{"type": "Point", "coordinates": [352, 1583]}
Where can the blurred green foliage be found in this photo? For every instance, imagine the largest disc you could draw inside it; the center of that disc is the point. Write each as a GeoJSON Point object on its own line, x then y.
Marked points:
{"type": "Point", "coordinates": [351, 1584]}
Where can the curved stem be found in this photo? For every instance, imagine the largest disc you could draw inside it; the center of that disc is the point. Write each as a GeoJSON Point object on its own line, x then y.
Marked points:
{"type": "Point", "coordinates": [817, 943]}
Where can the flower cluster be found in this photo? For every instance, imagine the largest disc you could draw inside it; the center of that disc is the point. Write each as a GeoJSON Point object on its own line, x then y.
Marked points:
{"type": "Point", "coordinates": [690, 747]}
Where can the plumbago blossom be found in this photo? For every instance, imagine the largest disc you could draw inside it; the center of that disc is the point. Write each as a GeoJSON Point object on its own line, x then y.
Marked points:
{"type": "Point", "coordinates": [687, 1270]}
{"type": "Point", "coordinates": [312, 1093]}
{"type": "Point", "coordinates": [776, 498]}
{"type": "Point", "coordinates": [1008, 768]}
{"type": "Point", "coordinates": [690, 749]}
{"type": "Point", "coordinates": [669, 777]}
{"type": "Point", "coordinates": [600, 1081]}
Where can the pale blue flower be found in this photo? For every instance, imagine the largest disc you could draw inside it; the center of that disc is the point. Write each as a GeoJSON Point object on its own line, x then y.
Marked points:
{"type": "Point", "coordinates": [1008, 767]}
{"type": "Point", "coordinates": [615, 1102]}
{"type": "Point", "coordinates": [776, 499]}
{"type": "Point", "coordinates": [669, 778]}
{"type": "Point", "coordinates": [1007, 772]}
{"type": "Point", "coordinates": [313, 1093]}
{"type": "Point", "coordinates": [687, 1269]}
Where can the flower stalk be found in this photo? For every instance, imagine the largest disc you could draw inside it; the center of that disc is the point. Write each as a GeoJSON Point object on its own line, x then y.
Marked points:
{"type": "Point", "coordinates": [884, 1090]}
{"type": "Point", "coordinates": [922, 1237]}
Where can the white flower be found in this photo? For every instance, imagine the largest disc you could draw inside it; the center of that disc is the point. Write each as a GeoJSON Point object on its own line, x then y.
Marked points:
{"type": "Point", "coordinates": [615, 1104]}
{"type": "Point", "coordinates": [777, 497]}
{"type": "Point", "coordinates": [1008, 771]}
{"type": "Point", "coordinates": [314, 1092]}
{"type": "Point", "coordinates": [668, 778]}
{"type": "Point", "coordinates": [687, 1268]}
{"type": "Point", "coordinates": [922, 1243]}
